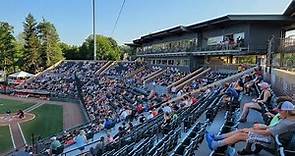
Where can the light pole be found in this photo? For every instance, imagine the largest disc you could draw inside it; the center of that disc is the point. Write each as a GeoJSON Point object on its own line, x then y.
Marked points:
{"type": "Point", "coordinates": [93, 29]}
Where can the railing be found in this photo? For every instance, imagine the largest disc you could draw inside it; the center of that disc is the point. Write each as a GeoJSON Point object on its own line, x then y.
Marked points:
{"type": "Point", "coordinates": [225, 67]}
{"type": "Point", "coordinates": [218, 47]}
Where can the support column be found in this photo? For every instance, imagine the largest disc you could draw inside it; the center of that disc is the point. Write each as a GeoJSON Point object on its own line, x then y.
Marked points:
{"type": "Point", "coordinates": [256, 60]}
{"type": "Point", "coordinates": [231, 59]}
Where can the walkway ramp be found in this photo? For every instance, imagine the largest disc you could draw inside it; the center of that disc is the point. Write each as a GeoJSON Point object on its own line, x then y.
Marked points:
{"type": "Point", "coordinates": [151, 74]}
{"type": "Point", "coordinates": [108, 67]}
{"type": "Point", "coordinates": [185, 78]}
{"type": "Point", "coordinates": [136, 71]}
{"type": "Point", "coordinates": [178, 87]}
{"type": "Point", "coordinates": [155, 75]}
{"type": "Point", "coordinates": [103, 67]}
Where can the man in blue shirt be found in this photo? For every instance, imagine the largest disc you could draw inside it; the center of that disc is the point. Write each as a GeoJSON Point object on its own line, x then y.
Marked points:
{"type": "Point", "coordinates": [231, 92]}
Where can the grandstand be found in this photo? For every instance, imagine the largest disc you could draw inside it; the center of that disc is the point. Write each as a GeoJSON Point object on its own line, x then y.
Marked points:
{"type": "Point", "coordinates": [186, 89]}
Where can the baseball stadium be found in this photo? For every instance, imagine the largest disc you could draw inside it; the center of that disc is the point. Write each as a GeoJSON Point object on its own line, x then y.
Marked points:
{"type": "Point", "coordinates": [220, 87]}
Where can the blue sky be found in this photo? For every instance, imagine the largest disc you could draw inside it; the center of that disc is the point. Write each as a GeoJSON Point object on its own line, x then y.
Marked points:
{"type": "Point", "coordinates": [72, 18]}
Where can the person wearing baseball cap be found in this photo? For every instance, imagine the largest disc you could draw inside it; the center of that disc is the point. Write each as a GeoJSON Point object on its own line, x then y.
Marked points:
{"type": "Point", "coordinates": [275, 120]}
{"type": "Point", "coordinates": [285, 125]}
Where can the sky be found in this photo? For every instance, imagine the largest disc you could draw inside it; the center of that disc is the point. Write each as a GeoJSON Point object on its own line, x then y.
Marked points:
{"type": "Point", "coordinates": [73, 18]}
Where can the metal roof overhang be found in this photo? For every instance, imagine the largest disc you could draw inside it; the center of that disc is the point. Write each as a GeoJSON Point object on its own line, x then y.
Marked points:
{"type": "Point", "coordinates": [290, 9]}
{"type": "Point", "coordinates": [221, 21]}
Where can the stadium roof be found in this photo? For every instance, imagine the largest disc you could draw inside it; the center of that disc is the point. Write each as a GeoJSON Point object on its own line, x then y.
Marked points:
{"type": "Point", "coordinates": [290, 10]}
{"type": "Point", "coordinates": [221, 20]}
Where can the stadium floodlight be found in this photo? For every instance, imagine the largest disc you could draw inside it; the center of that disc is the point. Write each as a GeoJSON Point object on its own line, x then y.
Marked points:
{"type": "Point", "coordinates": [93, 29]}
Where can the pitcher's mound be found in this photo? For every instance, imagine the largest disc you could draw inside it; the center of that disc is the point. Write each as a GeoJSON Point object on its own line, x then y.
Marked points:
{"type": "Point", "coordinates": [13, 118]}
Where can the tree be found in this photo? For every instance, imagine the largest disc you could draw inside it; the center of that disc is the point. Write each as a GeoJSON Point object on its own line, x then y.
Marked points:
{"type": "Point", "coordinates": [19, 51]}
{"type": "Point", "coordinates": [31, 46]}
{"type": "Point", "coordinates": [7, 47]}
{"type": "Point", "coordinates": [128, 51]}
{"type": "Point", "coordinates": [107, 48]}
{"type": "Point", "coordinates": [70, 52]}
{"type": "Point", "coordinates": [50, 51]}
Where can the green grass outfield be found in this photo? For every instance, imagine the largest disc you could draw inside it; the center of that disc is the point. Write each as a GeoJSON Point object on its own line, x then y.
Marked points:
{"type": "Point", "coordinates": [5, 139]}
{"type": "Point", "coordinates": [48, 121]}
{"type": "Point", "coordinates": [12, 105]}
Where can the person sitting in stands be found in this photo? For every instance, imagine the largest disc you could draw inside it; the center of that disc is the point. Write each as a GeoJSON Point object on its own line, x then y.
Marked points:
{"type": "Point", "coordinates": [195, 85]}
{"type": "Point", "coordinates": [120, 134]}
{"type": "Point", "coordinates": [248, 84]}
{"type": "Point", "coordinates": [81, 140]}
{"type": "Point", "coordinates": [263, 99]}
{"type": "Point", "coordinates": [179, 93]}
{"type": "Point", "coordinates": [108, 123]}
{"type": "Point", "coordinates": [130, 127]}
{"type": "Point", "coordinates": [109, 139]}
{"type": "Point", "coordinates": [239, 86]}
{"type": "Point", "coordinates": [167, 108]}
{"type": "Point", "coordinates": [264, 135]}
{"type": "Point", "coordinates": [55, 146]}
{"type": "Point", "coordinates": [139, 108]}
{"type": "Point", "coordinates": [231, 92]}
{"type": "Point", "coordinates": [154, 112]}
{"type": "Point", "coordinates": [99, 148]}
{"type": "Point", "coordinates": [193, 99]}
{"type": "Point", "coordinates": [166, 125]}
{"type": "Point", "coordinates": [142, 119]}
{"type": "Point", "coordinates": [20, 114]}
{"type": "Point", "coordinates": [275, 120]}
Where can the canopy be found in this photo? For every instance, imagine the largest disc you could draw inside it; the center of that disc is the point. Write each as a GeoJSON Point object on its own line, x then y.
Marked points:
{"type": "Point", "coordinates": [21, 74]}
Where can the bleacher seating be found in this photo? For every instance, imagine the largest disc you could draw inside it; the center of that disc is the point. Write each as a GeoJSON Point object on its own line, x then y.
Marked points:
{"type": "Point", "coordinates": [121, 88]}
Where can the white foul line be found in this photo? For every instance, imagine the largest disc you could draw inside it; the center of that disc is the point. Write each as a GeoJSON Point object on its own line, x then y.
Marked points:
{"type": "Point", "coordinates": [21, 132]}
{"type": "Point", "coordinates": [11, 135]}
{"type": "Point", "coordinates": [33, 107]}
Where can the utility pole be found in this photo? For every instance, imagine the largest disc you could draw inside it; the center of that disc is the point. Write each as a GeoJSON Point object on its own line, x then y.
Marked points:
{"type": "Point", "coordinates": [93, 29]}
